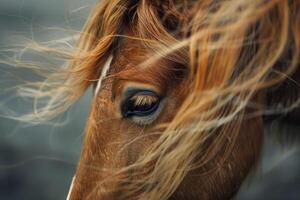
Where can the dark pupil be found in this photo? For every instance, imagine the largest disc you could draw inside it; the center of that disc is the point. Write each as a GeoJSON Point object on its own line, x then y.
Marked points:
{"type": "Point", "coordinates": [130, 109]}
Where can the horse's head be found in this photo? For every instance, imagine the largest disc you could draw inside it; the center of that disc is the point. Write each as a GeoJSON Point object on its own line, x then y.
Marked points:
{"type": "Point", "coordinates": [174, 81]}
{"type": "Point", "coordinates": [129, 102]}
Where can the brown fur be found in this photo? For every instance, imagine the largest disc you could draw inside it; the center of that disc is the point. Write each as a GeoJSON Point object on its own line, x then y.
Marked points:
{"type": "Point", "coordinates": [104, 140]}
{"type": "Point", "coordinates": [222, 162]}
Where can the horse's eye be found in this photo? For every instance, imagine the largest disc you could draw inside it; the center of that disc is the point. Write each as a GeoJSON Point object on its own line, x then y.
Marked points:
{"type": "Point", "coordinates": [143, 107]}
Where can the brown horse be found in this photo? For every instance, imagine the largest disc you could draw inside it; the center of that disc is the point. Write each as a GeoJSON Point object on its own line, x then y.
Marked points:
{"type": "Point", "coordinates": [178, 108]}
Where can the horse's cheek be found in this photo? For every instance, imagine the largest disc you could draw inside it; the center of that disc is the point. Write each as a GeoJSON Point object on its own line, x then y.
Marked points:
{"type": "Point", "coordinates": [225, 182]}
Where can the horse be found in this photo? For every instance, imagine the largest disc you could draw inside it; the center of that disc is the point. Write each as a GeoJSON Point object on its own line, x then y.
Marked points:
{"type": "Point", "coordinates": [182, 90]}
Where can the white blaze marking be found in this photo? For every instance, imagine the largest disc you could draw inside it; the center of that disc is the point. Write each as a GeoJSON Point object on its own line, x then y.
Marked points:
{"type": "Point", "coordinates": [98, 87]}
{"type": "Point", "coordinates": [103, 73]}
{"type": "Point", "coordinates": [69, 194]}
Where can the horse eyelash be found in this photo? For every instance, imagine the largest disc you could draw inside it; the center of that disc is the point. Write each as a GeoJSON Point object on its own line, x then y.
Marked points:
{"type": "Point", "coordinates": [144, 100]}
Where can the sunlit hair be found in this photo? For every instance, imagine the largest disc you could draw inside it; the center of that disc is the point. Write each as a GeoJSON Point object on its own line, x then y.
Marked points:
{"type": "Point", "coordinates": [230, 49]}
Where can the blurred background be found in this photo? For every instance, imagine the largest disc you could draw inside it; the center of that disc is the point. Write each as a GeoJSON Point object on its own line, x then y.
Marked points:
{"type": "Point", "coordinates": [39, 161]}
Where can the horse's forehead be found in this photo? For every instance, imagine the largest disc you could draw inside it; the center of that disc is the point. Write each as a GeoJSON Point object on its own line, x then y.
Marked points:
{"type": "Point", "coordinates": [130, 54]}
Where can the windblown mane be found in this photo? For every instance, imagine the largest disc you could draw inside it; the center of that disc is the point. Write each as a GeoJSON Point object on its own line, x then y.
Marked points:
{"type": "Point", "coordinates": [230, 50]}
